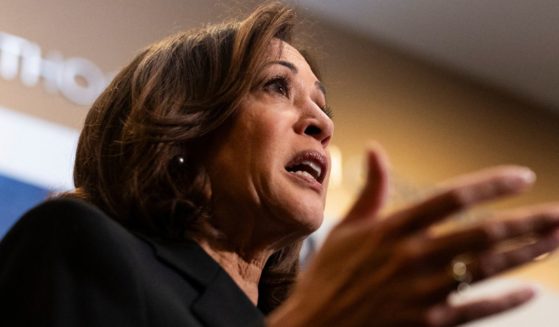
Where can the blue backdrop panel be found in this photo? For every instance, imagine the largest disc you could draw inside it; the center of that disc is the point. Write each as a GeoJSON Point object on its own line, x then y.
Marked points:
{"type": "Point", "coordinates": [16, 198]}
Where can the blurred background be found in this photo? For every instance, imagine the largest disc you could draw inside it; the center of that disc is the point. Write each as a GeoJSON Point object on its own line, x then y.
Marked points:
{"type": "Point", "coordinates": [446, 87]}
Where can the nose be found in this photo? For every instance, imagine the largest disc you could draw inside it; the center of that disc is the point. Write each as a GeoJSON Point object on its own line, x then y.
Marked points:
{"type": "Point", "coordinates": [316, 124]}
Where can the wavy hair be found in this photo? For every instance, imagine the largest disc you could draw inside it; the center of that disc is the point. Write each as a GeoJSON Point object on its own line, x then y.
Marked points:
{"type": "Point", "coordinates": [159, 110]}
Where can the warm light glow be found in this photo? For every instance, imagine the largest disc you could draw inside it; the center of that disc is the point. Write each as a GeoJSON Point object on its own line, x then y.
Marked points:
{"type": "Point", "coordinates": [336, 173]}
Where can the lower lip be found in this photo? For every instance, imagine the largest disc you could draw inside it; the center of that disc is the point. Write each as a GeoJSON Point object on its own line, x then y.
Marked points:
{"type": "Point", "coordinates": [306, 181]}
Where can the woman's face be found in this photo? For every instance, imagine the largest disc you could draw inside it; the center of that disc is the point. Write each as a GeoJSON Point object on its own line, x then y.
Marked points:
{"type": "Point", "coordinates": [269, 168]}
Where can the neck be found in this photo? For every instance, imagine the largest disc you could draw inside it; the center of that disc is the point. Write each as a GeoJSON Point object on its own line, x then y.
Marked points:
{"type": "Point", "coordinates": [245, 270]}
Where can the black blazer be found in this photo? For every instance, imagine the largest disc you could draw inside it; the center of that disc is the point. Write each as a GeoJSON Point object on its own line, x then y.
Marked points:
{"type": "Point", "coordinates": [65, 263]}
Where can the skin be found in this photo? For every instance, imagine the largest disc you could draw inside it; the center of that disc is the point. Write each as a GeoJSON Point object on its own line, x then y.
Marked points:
{"type": "Point", "coordinates": [249, 183]}
{"type": "Point", "coordinates": [390, 270]}
{"type": "Point", "coordinates": [396, 270]}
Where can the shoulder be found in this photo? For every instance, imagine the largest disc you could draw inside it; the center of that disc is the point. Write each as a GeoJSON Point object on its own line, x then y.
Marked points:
{"type": "Point", "coordinates": [67, 228]}
{"type": "Point", "coordinates": [62, 212]}
{"type": "Point", "coordinates": [70, 217]}
{"type": "Point", "coordinates": [70, 241]}
{"type": "Point", "coordinates": [66, 262]}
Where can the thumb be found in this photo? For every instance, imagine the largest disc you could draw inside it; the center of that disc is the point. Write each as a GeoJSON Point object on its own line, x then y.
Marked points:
{"type": "Point", "coordinates": [374, 193]}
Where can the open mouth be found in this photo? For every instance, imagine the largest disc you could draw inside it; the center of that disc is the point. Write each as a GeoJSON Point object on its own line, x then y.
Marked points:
{"type": "Point", "coordinates": [309, 164]}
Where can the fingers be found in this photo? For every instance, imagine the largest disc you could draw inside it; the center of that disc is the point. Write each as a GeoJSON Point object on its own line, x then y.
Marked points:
{"type": "Point", "coordinates": [491, 263]}
{"type": "Point", "coordinates": [375, 191]}
{"type": "Point", "coordinates": [482, 250]}
{"type": "Point", "coordinates": [488, 265]}
{"type": "Point", "coordinates": [428, 289]}
{"type": "Point", "coordinates": [529, 222]}
{"type": "Point", "coordinates": [448, 315]}
{"type": "Point", "coordinates": [460, 194]}
{"type": "Point", "coordinates": [435, 286]}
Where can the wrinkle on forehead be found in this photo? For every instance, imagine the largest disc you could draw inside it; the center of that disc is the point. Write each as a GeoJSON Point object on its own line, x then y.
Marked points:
{"type": "Point", "coordinates": [279, 49]}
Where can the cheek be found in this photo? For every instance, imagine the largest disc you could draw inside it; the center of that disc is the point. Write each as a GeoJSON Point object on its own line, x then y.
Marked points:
{"type": "Point", "coordinates": [257, 144]}
{"type": "Point", "coordinates": [269, 138]}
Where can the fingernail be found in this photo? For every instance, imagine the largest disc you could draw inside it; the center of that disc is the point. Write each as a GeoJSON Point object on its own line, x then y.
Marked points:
{"type": "Point", "coordinates": [525, 294]}
{"type": "Point", "coordinates": [527, 175]}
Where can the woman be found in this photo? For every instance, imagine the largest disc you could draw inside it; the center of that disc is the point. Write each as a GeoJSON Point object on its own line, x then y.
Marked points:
{"type": "Point", "coordinates": [199, 171]}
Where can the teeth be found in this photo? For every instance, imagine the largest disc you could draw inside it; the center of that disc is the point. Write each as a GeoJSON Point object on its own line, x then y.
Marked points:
{"type": "Point", "coordinates": [313, 166]}
{"type": "Point", "coordinates": [304, 173]}
{"type": "Point", "coordinates": [308, 168]}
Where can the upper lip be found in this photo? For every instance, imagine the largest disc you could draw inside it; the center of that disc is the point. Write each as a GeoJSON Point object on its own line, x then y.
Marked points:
{"type": "Point", "coordinates": [313, 162]}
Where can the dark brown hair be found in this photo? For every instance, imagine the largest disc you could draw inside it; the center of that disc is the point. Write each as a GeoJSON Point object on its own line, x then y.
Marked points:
{"type": "Point", "coordinates": [158, 111]}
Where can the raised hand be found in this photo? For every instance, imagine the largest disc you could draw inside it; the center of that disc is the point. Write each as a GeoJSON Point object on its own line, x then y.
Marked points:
{"type": "Point", "coordinates": [398, 271]}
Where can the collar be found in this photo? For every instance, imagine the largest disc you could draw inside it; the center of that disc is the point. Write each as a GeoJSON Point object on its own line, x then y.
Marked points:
{"type": "Point", "coordinates": [221, 301]}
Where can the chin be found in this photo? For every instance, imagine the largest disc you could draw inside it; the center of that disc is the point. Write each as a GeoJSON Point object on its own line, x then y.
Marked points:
{"type": "Point", "coordinates": [309, 221]}
{"type": "Point", "coordinates": [315, 222]}
{"type": "Point", "coordinates": [309, 213]}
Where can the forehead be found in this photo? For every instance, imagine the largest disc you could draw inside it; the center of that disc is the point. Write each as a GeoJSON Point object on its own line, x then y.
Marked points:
{"type": "Point", "coordinates": [280, 50]}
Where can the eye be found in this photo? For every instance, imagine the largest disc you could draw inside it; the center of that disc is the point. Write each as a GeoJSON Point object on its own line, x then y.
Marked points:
{"type": "Point", "coordinates": [278, 84]}
{"type": "Point", "coordinates": [328, 111]}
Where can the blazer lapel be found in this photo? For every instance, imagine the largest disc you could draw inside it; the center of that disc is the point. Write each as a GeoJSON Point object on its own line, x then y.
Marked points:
{"type": "Point", "coordinates": [224, 304]}
{"type": "Point", "coordinates": [188, 258]}
{"type": "Point", "coordinates": [221, 301]}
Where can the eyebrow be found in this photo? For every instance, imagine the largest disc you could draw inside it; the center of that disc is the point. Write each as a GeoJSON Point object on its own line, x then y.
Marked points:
{"type": "Point", "coordinates": [287, 64]}
{"type": "Point", "coordinates": [294, 69]}
{"type": "Point", "coordinates": [320, 86]}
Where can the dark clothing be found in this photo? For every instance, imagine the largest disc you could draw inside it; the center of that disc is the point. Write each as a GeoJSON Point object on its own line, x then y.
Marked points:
{"type": "Point", "coordinates": [66, 263]}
